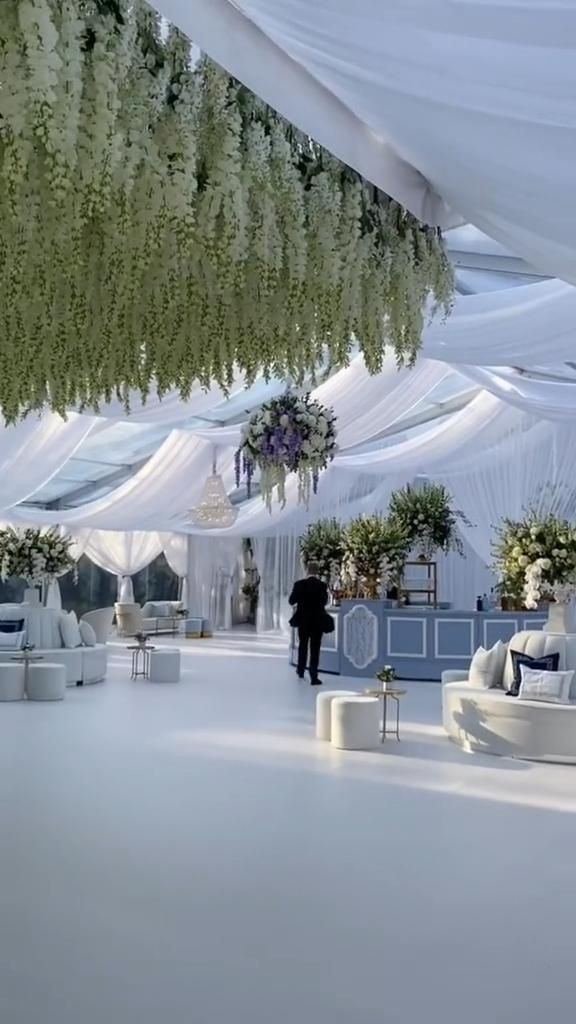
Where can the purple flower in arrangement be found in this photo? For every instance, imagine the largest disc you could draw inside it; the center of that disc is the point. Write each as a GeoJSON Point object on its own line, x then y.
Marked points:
{"type": "Point", "coordinates": [287, 435]}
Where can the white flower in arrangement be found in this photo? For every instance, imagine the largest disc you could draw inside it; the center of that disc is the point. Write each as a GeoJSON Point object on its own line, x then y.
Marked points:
{"type": "Point", "coordinates": [523, 560]}
{"type": "Point", "coordinates": [517, 552]}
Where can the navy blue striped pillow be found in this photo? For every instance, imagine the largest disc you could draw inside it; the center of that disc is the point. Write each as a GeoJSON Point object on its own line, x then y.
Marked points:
{"type": "Point", "coordinates": [11, 625]}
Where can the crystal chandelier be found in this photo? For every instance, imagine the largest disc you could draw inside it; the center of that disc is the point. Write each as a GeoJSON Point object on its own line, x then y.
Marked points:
{"type": "Point", "coordinates": [215, 509]}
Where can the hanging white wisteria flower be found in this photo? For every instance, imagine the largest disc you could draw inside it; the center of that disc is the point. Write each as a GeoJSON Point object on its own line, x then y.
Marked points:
{"type": "Point", "coordinates": [162, 227]}
{"type": "Point", "coordinates": [34, 555]}
{"type": "Point", "coordinates": [287, 435]}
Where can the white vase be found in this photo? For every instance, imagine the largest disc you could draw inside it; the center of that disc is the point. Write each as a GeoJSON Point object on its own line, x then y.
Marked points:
{"type": "Point", "coordinates": [561, 618]}
{"type": "Point", "coordinates": [31, 596]}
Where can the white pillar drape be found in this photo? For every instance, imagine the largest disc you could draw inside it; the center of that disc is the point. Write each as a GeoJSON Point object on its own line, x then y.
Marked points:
{"type": "Point", "coordinates": [123, 555]}
{"type": "Point", "coordinates": [175, 547]}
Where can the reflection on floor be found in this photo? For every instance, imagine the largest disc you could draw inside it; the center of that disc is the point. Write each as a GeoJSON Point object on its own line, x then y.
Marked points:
{"type": "Point", "coordinates": [189, 854]}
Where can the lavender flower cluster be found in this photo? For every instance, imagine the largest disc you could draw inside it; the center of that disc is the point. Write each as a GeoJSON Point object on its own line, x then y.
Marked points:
{"type": "Point", "coordinates": [287, 435]}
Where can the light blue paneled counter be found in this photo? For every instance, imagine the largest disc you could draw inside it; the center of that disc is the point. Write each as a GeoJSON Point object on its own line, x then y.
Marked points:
{"type": "Point", "coordinates": [419, 642]}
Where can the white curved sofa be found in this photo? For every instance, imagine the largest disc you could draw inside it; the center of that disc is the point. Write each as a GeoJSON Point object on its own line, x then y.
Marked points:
{"type": "Point", "coordinates": [84, 665]}
{"type": "Point", "coordinates": [488, 721]}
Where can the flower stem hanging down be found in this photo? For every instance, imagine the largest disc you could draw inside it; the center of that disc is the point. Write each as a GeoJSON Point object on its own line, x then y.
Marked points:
{"type": "Point", "coordinates": [287, 435]}
{"type": "Point", "coordinates": [161, 226]}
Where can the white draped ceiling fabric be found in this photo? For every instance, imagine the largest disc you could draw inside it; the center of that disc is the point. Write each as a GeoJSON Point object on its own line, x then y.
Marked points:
{"type": "Point", "coordinates": [462, 111]}
{"type": "Point", "coordinates": [468, 104]}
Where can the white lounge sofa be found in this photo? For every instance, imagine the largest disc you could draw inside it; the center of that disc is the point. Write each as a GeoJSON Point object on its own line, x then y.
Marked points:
{"type": "Point", "coordinates": [161, 616]}
{"type": "Point", "coordinates": [84, 665]}
{"type": "Point", "coordinates": [490, 722]}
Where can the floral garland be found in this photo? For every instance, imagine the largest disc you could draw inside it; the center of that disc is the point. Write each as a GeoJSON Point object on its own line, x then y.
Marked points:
{"type": "Point", "coordinates": [287, 435]}
{"type": "Point", "coordinates": [425, 514]}
{"type": "Point", "coordinates": [162, 226]}
{"type": "Point", "coordinates": [535, 559]}
{"type": "Point", "coordinates": [34, 555]}
{"type": "Point", "coordinates": [324, 544]}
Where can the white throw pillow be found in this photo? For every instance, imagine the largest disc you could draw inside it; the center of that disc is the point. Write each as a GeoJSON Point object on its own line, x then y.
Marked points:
{"type": "Point", "coordinates": [88, 635]}
{"type": "Point", "coordinates": [552, 687]}
{"type": "Point", "coordinates": [487, 666]}
{"type": "Point", "coordinates": [11, 641]}
{"type": "Point", "coordinates": [70, 630]}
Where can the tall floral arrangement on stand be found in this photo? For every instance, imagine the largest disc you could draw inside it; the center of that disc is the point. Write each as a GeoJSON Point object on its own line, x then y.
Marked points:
{"type": "Point", "coordinates": [35, 555]}
{"type": "Point", "coordinates": [162, 226]}
{"type": "Point", "coordinates": [287, 435]}
{"type": "Point", "coordinates": [535, 559]}
{"type": "Point", "coordinates": [324, 543]}
{"type": "Point", "coordinates": [427, 516]}
{"type": "Point", "coordinates": [376, 550]}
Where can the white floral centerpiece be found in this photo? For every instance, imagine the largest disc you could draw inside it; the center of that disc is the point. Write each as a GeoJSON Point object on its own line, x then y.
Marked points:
{"type": "Point", "coordinates": [535, 559]}
{"type": "Point", "coordinates": [287, 435]}
{"type": "Point", "coordinates": [34, 555]}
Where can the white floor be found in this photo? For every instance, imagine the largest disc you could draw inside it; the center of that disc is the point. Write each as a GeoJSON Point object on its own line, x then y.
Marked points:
{"type": "Point", "coordinates": [189, 854]}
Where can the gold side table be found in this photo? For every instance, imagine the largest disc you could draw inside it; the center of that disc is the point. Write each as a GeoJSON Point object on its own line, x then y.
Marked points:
{"type": "Point", "coordinates": [383, 695]}
{"type": "Point", "coordinates": [144, 650]}
{"type": "Point", "coordinates": [27, 658]}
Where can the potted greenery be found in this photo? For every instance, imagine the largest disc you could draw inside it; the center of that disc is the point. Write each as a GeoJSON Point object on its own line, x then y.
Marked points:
{"type": "Point", "coordinates": [324, 544]}
{"type": "Point", "coordinates": [428, 518]}
{"type": "Point", "coordinates": [376, 549]}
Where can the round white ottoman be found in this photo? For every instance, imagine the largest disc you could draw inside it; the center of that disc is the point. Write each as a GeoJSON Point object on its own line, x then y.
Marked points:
{"type": "Point", "coordinates": [355, 723]}
{"type": "Point", "coordinates": [46, 681]}
{"type": "Point", "coordinates": [165, 666]}
{"type": "Point", "coordinates": [12, 682]}
{"type": "Point", "coordinates": [324, 711]}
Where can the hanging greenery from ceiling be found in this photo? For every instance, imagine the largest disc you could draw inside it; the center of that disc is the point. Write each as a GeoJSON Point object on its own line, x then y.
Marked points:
{"type": "Point", "coordinates": [160, 225]}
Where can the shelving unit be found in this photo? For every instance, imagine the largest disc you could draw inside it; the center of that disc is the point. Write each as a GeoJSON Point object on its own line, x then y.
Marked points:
{"type": "Point", "coordinates": [425, 584]}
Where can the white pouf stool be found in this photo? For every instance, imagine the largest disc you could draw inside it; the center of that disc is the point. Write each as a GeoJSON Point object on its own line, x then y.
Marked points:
{"type": "Point", "coordinates": [12, 679]}
{"type": "Point", "coordinates": [324, 711]}
{"type": "Point", "coordinates": [46, 681]}
{"type": "Point", "coordinates": [165, 666]}
{"type": "Point", "coordinates": [355, 723]}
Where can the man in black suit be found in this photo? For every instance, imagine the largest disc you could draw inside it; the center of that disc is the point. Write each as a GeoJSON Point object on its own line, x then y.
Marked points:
{"type": "Point", "coordinates": [310, 597]}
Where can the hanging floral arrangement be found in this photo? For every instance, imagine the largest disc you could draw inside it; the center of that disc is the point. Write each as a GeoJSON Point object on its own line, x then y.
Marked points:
{"type": "Point", "coordinates": [535, 559]}
{"type": "Point", "coordinates": [287, 435]}
{"type": "Point", "coordinates": [161, 226]}
{"type": "Point", "coordinates": [428, 518]}
{"type": "Point", "coordinates": [35, 555]}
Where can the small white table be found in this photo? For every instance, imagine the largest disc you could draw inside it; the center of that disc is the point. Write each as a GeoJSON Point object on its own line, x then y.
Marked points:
{"type": "Point", "coordinates": [164, 665]}
{"type": "Point", "coordinates": [46, 681]}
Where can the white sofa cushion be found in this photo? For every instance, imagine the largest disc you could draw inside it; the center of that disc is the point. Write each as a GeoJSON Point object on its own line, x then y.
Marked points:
{"type": "Point", "coordinates": [552, 687]}
{"type": "Point", "coordinates": [70, 630]}
{"type": "Point", "coordinates": [87, 634]}
{"type": "Point", "coordinates": [487, 666]}
{"type": "Point", "coordinates": [536, 643]}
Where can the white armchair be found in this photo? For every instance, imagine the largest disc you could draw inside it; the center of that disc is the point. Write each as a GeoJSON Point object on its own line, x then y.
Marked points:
{"type": "Point", "coordinates": [128, 619]}
{"type": "Point", "coordinates": [101, 621]}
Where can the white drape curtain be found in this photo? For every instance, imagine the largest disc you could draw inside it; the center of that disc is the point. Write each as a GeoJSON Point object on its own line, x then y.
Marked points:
{"type": "Point", "coordinates": [214, 565]}
{"type": "Point", "coordinates": [278, 562]}
{"type": "Point", "coordinates": [34, 450]}
{"type": "Point", "coordinates": [123, 555]}
{"type": "Point", "coordinates": [534, 468]}
{"type": "Point", "coordinates": [175, 548]}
